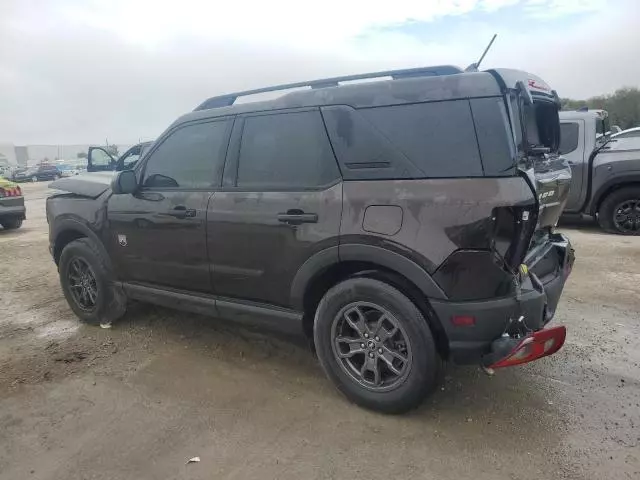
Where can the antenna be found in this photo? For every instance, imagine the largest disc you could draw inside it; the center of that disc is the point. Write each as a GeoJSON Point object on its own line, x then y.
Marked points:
{"type": "Point", "coordinates": [474, 66]}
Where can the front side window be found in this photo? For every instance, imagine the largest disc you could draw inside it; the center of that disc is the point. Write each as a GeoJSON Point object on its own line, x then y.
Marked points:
{"type": "Point", "coordinates": [568, 137]}
{"type": "Point", "coordinates": [190, 157]}
{"type": "Point", "coordinates": [100, 158]}
{"type": "Point", "coordinates": [285, 150]}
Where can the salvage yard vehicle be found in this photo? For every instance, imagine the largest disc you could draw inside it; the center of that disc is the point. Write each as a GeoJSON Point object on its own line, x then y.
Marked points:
{"type": "Point", "coordinates": [606, 170]}
{"type": "Point", "coordinates": [100, 160]}
{"type": "Point", "coordinates": [12, 209]}
{"type": "Point", "coordinates": [38, 174]}
{"type": "Point", "coordinates": [397, 223]}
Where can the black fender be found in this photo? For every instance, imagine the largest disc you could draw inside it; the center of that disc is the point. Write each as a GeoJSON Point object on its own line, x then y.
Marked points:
{"type": "Point", "coordinates": [321, 261]}
{"type": "Point", "coordinates": [69, 224]}
{"type": "Point", "coordinates": [614, 182]}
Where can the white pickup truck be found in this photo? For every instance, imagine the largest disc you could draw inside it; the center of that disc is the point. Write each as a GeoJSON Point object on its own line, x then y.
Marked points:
{"type": "Point", "coordinates": [605, 171]}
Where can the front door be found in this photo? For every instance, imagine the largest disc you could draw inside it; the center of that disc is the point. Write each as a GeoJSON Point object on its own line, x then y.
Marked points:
{"type": "Point", "coordinates": [158, 235]}
{"type": "Point", "coordinates": [99, 160]}
{"type": "Point", "coordinates": [572, 148]}
{"type": "Point", "coordinates": [281, 203]}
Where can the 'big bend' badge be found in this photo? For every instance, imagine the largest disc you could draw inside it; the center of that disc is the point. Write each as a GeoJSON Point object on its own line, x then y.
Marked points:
{"type": "Point", "coordinates": [122, 240]}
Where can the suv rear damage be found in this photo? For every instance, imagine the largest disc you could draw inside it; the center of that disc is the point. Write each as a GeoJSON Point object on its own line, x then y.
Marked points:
{"type": "Point", "coordinates": [396, 223]}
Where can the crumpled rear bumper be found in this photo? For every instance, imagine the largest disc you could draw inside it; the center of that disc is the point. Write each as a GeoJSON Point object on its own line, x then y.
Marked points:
{"type": "Point", "coordinates": [548, 265]}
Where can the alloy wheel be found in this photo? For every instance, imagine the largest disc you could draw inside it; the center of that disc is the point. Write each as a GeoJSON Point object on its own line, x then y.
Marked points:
{"type": "Point", "coordinates": [371, 346]}
{"type": "Point", "coordinates": [626, 216]}
{"type": "Point", "coordinates": [82, 284]}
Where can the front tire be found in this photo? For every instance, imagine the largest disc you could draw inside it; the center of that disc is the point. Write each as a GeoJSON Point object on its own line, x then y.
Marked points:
{"type": "Point", "coordinates": [620, 211]}
{"type": "Point", "coordinates": [11, 223]}
{"type": "Point", "coordinates": [375, 345]}
{"type": "Point", "coordinates": [87, 283]}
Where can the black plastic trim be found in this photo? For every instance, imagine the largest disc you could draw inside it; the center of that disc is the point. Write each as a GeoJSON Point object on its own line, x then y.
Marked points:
{"type": "Point", "coordinates": [241, 311]}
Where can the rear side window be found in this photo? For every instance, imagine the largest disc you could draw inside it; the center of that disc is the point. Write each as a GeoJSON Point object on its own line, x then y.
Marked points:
{"type": "Point", "coordinates": [438, 138]}
{"type": "Point", "coordinates": [286, 150]}
{"type": "Point", "coordinates": [190, 157]}
{"type": "Point", "coordinates": [568, 137]}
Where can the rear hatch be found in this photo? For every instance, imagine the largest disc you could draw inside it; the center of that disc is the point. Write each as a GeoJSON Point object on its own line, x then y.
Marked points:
{"type": "Point", "coordinates": [537, 135]}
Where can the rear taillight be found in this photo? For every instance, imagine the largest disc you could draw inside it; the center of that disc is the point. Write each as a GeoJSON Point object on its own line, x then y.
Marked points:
{"type": "Point", "coordinates": [10, 192]}
{"type": "Point", "coordinates": [536, 345]}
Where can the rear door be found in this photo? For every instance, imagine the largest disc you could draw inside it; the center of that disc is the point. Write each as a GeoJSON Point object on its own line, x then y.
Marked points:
{"type": "Point", "coordinates": [281, 203]}
{"type": "Point", "coordinates": [158, 235]}
{"type": "Point", "coordinates": [572, 147]}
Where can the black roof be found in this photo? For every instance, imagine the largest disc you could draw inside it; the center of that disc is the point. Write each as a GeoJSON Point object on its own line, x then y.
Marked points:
{"type": "Point", "coordinates": [407, 86]}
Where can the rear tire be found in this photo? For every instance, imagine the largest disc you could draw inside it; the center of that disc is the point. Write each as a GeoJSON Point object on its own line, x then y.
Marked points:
{"type": "Point", "coordinates": [11, 223]}
{"type": "Point", "coordinates": [83, 269]}
{"type": "Point", "coordinates": [377, 309]}
{"type": "Point", "coordinates": [615, 208]}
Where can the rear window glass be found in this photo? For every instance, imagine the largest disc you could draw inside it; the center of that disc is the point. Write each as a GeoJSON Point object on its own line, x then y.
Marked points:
{"type": "Point", "coordinates": [568, 137]}
{"type": "Point", "coordinates": [438, 138]}
{"type": "Point", "coordinates": [287, 150]}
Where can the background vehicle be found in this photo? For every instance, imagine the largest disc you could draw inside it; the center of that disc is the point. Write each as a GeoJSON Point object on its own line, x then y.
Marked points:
{"type": "Point", "coordinates": [397, 223]}
{"type": "Point", "coordinates": [100, 160]}
{"type": "Point", "coordinates": [38, 174]}
{"type": "Point", "coordinates": [68, 170]}
{"type": "Point", "coordinates": [628, 133]}
{"type": "Point", "coordinates": [12, 209]}
{"type": "Point", "coordinates": [606, 170]}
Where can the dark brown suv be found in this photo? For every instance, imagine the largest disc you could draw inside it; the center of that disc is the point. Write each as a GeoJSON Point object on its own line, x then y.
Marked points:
{"type": "Point", "coordinates": [397, 223]}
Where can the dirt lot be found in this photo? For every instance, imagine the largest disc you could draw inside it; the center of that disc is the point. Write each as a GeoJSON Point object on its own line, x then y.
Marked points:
{"type": "Point", "coordinates": [138, 400]}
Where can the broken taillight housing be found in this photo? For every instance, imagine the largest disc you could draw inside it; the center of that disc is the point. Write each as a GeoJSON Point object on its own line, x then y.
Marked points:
{"type": "Point", "coordinates": [535, 345]}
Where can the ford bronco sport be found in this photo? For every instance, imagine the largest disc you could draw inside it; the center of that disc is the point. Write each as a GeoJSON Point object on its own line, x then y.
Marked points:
{"type": "Point", "coordinates": [397, 223]}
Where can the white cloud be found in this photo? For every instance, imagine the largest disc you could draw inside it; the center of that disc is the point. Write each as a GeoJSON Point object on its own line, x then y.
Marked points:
{"type": "Point", "coordinates": [77, 71]}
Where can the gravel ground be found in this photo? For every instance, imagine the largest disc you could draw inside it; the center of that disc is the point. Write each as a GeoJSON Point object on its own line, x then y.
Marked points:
{"type": "Point", "coordinates": [139, 400]}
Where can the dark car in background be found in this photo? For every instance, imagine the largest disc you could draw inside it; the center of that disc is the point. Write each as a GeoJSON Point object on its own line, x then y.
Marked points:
{"type": "Point", "coordinates": [38, 174]}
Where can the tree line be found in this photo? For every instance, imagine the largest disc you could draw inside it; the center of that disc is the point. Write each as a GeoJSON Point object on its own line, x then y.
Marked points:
{"type": "Point", "coordinates": [623, 106]}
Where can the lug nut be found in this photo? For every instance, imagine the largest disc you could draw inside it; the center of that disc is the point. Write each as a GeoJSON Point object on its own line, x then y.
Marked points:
{"type": "Point", "coordinates": [362, 345]}
{"type": "Point", "coordinates": [379, 350]}
{"type": "Point", "coordinates": [366, 335]}
{"type": "Point", "coordinates": [371, 354]}
{"type": "Point", "coordinates": [377, 339]}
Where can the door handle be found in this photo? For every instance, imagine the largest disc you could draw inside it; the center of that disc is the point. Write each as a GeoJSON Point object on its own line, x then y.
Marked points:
{"type": "Point", "coordinates": [182, 212]}
{"type": "Point", "coordinates": [297, 217]}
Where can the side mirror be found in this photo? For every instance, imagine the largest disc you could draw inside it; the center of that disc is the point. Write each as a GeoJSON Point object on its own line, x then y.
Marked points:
{"type": "Point", "coordinates": [124, 182]}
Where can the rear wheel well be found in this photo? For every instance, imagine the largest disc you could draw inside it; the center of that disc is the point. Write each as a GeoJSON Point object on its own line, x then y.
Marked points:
{"type": "Point", "coordinates": [609, 191]}
{"type": "Point", "coordinates": [63, 239]}
{"type": "Point", "coordinates": [344, 270]}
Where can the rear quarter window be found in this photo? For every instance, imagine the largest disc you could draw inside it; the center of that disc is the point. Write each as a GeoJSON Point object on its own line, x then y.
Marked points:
{"type": "Point", "coordinates": [438, 138]}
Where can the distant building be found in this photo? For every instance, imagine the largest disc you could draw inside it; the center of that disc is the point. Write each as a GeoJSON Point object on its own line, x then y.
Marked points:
{"type": "Point", "coordinates": [7, 155]}
{"type": "Point", "coordinates": [27, 155]}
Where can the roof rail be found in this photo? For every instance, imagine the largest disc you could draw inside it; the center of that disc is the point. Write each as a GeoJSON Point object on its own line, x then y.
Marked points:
{"type": "Point", "coordinates": [229, 99]}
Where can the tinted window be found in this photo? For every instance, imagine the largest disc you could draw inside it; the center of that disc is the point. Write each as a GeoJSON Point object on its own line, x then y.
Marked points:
{"type": "Point", "coordinates": [191, 157]}
{"type": "Point", "coordinates": [568, 137]}
{"type": "Point", "coordinates": [285, 150]}
{"type": "Point", "coordinates": [439, 138]}
{"type": "Point", "coordinates": [494, 135]}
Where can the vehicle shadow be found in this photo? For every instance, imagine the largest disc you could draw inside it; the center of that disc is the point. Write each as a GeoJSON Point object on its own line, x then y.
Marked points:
{"type": "Point", "coordinates": [584, 224]}
{"type": "Point", "coordinates": [488, 410]}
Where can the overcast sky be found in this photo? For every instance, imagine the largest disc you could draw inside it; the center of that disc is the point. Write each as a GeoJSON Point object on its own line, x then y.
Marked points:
{"type": "Point", "coordinates": [80, 71]}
